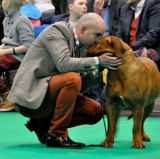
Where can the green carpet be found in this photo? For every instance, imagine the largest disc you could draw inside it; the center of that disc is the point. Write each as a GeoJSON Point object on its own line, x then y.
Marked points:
{"type": "Point", "coordinates": [16, 142]}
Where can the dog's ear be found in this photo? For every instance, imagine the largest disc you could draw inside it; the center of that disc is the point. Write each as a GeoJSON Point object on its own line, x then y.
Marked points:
{"type": "Point", "coordinates": [109, 44]}
{"type": "Point", "coordinates": [119, 46]}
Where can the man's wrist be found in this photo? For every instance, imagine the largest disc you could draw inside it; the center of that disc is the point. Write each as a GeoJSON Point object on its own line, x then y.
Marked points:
{"type": "Point", "coordinates": [96, 59]}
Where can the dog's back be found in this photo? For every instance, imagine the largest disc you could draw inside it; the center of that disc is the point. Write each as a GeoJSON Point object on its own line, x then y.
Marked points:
{"type": "Point", "coordinates": [152, 79]}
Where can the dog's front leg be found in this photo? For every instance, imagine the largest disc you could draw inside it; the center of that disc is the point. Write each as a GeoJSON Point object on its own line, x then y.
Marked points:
{"type": "Point", "coordinates": [138, 113]}
{"type": "Point", "coordinates": [112, 115]}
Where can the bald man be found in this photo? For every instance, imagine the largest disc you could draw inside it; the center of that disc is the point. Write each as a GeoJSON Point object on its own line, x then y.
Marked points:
{"type": "Point", "coordinates": [48, 85]}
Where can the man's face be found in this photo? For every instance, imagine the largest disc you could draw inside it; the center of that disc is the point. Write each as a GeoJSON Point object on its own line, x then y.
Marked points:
{"type": "Point", "coordinates": [89, 36]}
{"type": "Point", "coordinates": [79, 7]}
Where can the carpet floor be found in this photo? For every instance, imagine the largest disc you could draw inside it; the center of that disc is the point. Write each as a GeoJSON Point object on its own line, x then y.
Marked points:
{"type": "Point", "coordinates": [16, 142]}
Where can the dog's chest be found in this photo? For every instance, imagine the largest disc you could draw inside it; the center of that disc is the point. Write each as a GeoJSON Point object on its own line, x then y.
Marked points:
{"type": "Point", "coordinates": [117, 91]}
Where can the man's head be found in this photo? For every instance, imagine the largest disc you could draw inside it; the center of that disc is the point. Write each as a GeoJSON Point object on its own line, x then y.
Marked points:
{"type": "Point", "coordinates": [89, 29]}
{"type": "Point", "coordinates": [77, 7]}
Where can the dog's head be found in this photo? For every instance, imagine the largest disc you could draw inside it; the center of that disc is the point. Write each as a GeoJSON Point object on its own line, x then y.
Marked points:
{"type": "Point", "coordinates": [109, 44]}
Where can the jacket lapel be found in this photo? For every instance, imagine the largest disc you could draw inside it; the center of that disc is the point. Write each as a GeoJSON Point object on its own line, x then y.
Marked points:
{"type": "Point", "coordinates": [71, 41]}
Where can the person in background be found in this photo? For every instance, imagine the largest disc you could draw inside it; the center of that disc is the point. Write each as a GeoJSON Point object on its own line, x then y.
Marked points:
{"type": "Point", "coordinates": [109, 10]}
{"type": "Point", "coordinates": [51, 96]}
{"type": "Point", "coordinates": [1, 21]}
{"type": "Point", "coordinates": [139, 27]}
{"type": "Point", "coordinates": [77, 8]}
{"type": "Point", "coordinates": [18, 36]}
{"type": "Point", "coordinates": [47, 9]}
{"type": "Point", "coordinates": [30, 10]}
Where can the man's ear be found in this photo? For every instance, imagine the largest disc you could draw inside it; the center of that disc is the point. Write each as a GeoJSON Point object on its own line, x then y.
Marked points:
{"type": "Point", "coordinates": [70, 6]}
{"type": "Point", "coordinates": [83, 29]}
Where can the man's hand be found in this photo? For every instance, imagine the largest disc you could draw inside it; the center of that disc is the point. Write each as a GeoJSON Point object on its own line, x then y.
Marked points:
{"type": "Point", "coordinates": [98, 6]}
{"type": "Point", "coordinates": [107, 61]}
{"type": "Point", "coordinates": [1, 46]}
{"type": "Point", "coordinates": [4, 51]}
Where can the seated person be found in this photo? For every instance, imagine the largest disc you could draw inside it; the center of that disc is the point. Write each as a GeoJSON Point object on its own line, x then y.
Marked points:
{"type": "Point", "coordinates": [141, 27]}
{"type": "Point", "coordinates": [18, 36]}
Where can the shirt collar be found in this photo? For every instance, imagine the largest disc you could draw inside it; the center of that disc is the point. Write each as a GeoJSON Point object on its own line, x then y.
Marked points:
{"type": "Point", "coordinates": [76, 41]}
{"type": "Point", "coordinates": [11, 17]}
{"type": "Point", "coordinates": [109, 2]}
{"type": "Point", "coordinates": [139, 6]}
{"type": "Point", "coordinates": [14, 13]}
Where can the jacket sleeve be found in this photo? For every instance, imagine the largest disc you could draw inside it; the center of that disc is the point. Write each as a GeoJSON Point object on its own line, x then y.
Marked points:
{"type": "Point", "coordinates": [58, 45]}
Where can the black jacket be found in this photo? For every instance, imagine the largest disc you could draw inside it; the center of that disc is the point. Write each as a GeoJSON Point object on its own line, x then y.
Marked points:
{"type": "Point", "coordinates": [148, 28]}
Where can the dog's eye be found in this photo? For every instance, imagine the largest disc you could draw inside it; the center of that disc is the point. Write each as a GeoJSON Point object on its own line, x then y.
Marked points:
{"type": "Point", "coordinates": [98, 36]}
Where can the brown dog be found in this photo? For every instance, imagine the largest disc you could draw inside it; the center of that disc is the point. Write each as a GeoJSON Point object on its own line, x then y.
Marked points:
{"type": "Point", "coordinates": [134, 86]}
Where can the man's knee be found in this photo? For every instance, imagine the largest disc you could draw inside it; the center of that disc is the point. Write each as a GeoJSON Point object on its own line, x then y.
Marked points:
{"type": "Point", "coordinates": [96, 114]}
{"type": "Point", "coordinates": [74, 79]}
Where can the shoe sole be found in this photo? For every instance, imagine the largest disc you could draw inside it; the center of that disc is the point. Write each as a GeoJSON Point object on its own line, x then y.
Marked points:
{"type": "Point", "coordinates": [7, 109]}
{"type": "Point", "coordinates": [57, 146]}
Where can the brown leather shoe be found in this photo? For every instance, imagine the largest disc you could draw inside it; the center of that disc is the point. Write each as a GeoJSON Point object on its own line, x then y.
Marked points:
{"type": "Point", "coordinates": [63, 142]}
{"type": "Point", "coordinates": [6, 106]}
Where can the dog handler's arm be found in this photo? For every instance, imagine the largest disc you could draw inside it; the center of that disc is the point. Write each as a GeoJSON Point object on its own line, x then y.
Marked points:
{"type": "Point", "coordinates": [106, 60]}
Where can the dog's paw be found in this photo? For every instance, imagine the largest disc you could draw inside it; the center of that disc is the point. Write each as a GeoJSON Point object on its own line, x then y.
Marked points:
{"type": "Point", "coordinates": [138, 144]}
{"type": "Point", "coordinates": [107, 143]}
{"type": "Point", "coordinates": [145, 138]}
